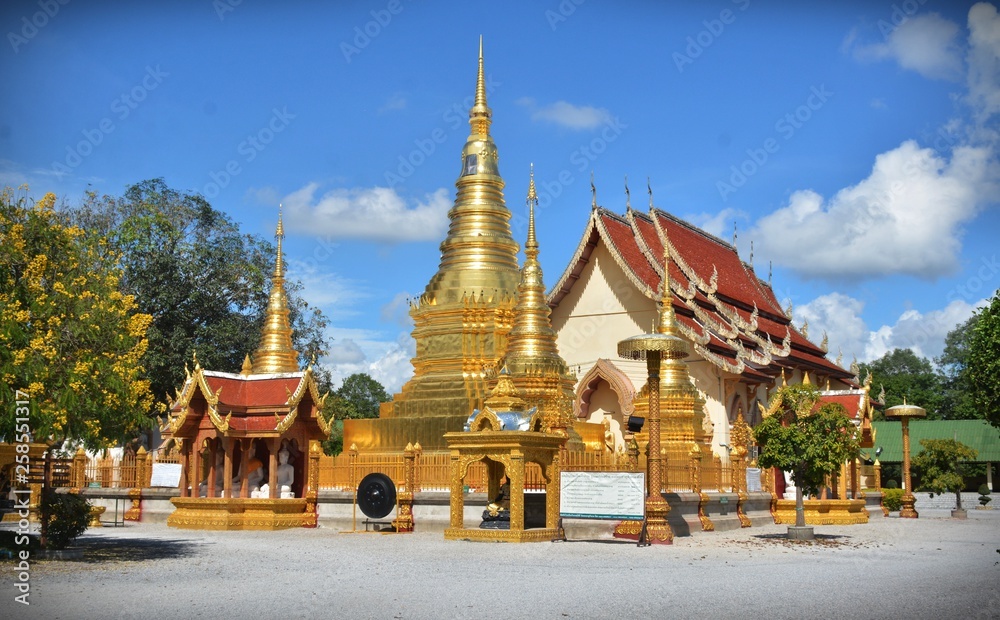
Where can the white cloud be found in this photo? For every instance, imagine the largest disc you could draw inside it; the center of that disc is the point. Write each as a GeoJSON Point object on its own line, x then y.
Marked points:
{"type": "Point", "coordinates": [984, 62]}
{"type": "Point", "coordinates": [565, 114]}
{"type": "Point", "coordinates": [371, 213]}
{"type": "Point", "coordinates": [927, 44]}
{"type": "Point", "coordinates": [345, 351]}
{"type": "Point", "coordinates": [396, 101]}
{"type": "Point", "coordinates": [906, 217]}
{"type": "Point", "coordinates": [267, 195]}
{"type": "Point", "coordinates": [924, 333]}
{"type": "Point", "coordinates": [354, 350]}
{"type": "Point", "coordinates": [719, 224]}
{"type": "Point", "coordinates": [398, 310]}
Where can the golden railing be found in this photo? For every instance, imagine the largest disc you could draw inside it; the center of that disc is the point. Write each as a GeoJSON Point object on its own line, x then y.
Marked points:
{"type": "Point", "coordinates": [432, 472]}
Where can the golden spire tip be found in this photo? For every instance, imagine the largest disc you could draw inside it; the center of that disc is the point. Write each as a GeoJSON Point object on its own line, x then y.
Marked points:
{"type": "Point", "coordinates": [531, 243]}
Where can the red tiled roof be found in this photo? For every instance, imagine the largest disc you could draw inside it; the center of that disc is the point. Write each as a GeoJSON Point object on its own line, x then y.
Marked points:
{"type": "Point", "coordinates": [852, 401]}
{"type": "Point", "coordinates": [737, 287]}
{"type": "Point", "coordinates": [252, 393]}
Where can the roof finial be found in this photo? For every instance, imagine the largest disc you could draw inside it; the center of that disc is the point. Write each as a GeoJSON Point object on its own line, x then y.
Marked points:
{"type": "Point", "coordinates": [751, 254]}
{"type": "Point", "coordinates": [531, 245]}
{"type": "Point", "coordinates": [668, 320]}
{"type": "Point", "coordinates": [769, 273]}
{"type": "Point", "coordinates": [649, 189]}
{"type": "Point", "coordinates": [279, 234]}
{"type": "Point", "coordinates": [734, 234]}
{"type": "Point", "coordinates": [479, 114]}
{"type": "Point", "coordinates": [593, 192]}
{"type": "Point", "coordinates": [628, 196]}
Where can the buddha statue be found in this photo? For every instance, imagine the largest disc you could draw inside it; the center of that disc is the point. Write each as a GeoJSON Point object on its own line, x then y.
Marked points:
{"type": "Point", "coordinates": [285, 476]}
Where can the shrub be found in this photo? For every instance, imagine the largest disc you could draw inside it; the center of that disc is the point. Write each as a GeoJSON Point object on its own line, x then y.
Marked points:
{"type": "Point", "coordinates": [984, 495]}
{"type": "Point", "coordinates": [984, 489]}
{"type": "Point", "coordinates": [892, 499]}
{"type": "Point", "coordinates": [66, 515]}
{"type": "Point", "coordinates": [891, 484]}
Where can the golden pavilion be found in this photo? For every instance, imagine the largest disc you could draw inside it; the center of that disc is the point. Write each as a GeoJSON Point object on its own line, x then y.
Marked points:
{"type": "Point", "coordinates": [250, 442]}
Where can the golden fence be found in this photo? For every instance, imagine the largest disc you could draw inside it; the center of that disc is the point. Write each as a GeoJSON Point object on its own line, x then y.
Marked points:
{"type": "Point", "coordinates": [432, 472]}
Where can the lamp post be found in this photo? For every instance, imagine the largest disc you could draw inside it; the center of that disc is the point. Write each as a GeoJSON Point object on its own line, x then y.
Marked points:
{"type": "Point", "coordinates": [904, 412]}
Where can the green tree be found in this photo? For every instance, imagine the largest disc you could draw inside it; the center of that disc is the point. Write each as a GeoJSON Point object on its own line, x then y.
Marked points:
{"type": "Point", "coordinates": [808, 439]}
{"type": "Point", "coordinates": [956, 400]}
{"type": "Point", "coordinates": [983, 362]}
{"type": "Point", "coordinates": [204, 282]}
{"type": "Point", "coordinates": [71, 343]}
{"type": "Point", "coordinates": [361, 395]}
{"type": "Point", "coordinates": [940, 466]}
{"type": "Point", "coordinates": [905, 375]}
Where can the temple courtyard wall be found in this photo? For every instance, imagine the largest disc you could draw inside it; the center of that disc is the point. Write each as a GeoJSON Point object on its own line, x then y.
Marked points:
{"type": "Point", "coordinates": [931, 567]}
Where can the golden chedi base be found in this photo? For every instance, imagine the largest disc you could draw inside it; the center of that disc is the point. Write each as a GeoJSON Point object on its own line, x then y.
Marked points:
{"type": "Point", "coordinates": [216, 513]}
{"type": "Point", "coordinates": [477, 535]}
{"type": "Point", "coordinates": [822, 511]}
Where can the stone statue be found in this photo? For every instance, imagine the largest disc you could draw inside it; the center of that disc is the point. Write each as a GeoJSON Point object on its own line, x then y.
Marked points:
{"type": "Point", "coordinates": [286, 477]}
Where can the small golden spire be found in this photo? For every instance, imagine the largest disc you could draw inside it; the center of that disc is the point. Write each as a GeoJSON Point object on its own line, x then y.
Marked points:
{"type": "Point", "coordinates": [275, 353]}
{"type": "Point", "coordinates": [531, 244]}
{"type": "Point", "coordinates": [247, 366]}
{"type": "Point", "coordinates": [667, 323]}
{"type": "Point", "coordinates": [480, 114]}
{"type": "Point", "coordinates": [628, 196]}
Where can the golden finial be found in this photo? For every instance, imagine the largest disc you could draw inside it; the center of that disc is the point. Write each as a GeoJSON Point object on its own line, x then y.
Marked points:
{"type": "Point", "coordinates": [479, 115]}
{"type": "Point", "coordinates": [247, 366]}
{"type": "Point", "coordinates": [805, 378]}
{"type": "Point", "coordinates": [593, 192]}
{"type": "Point", "coordinates": [805, 328]}
{"type": "Point", "coordinates": [275, 353]}
{"type": "Point", "coordinates": [531, 244]}
{"type": "Point", "coordinates": [194, 358]}
{"type": "Point", "coordinates": [667, 319]}
{"type": "Point", "coordinates": [628, 195]}
{"type": "Point", "coordinates": [784, 381]}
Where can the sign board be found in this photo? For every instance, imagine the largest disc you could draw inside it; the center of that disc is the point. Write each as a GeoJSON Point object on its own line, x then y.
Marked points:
{"type": "Point", "coordinates": [602, 495]}
{"type": "Point", "coordinates": [753, 480]}
{"type": "Point", "coordinates": [166, 475]}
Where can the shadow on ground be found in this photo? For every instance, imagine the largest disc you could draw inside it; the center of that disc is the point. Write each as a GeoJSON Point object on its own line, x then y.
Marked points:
{"type": "Point", "coordinates": [110, 549]}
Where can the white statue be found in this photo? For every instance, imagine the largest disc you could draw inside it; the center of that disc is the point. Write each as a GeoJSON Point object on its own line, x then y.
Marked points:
{"type": "Point", "coordinates": [286, 477]}
{"type": "Point", "coordinates": [789, 486]}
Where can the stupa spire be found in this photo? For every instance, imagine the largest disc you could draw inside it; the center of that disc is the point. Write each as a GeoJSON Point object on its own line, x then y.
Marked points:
{"type": "Point", "coordinates": [275, 352]}
{"type": "Point", "coordinates": [480, 115]}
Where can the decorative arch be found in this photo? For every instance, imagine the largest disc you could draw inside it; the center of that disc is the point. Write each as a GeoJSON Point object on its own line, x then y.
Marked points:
{"type": "Point", "coordinates": [620, 384]}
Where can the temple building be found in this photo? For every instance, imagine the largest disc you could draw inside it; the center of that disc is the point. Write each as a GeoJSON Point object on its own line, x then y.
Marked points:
{"type": "Point", "coordinates": [742, 343]}
{"type": "Point", "coordinates": [479, 313]}
{"type": "Point", "coordinates": [250, 441]}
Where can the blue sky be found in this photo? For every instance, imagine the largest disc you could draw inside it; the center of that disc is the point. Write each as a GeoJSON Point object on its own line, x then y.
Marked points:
{"type": "Point", "coordinates": [854, 143]}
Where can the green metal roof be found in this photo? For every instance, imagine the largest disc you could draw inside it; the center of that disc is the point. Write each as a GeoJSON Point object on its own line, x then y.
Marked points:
{"type": "Point", "coordinates": [977, 434]}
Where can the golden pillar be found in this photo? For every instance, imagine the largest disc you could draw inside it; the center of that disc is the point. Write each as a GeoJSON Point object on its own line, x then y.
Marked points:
{"type": "Point", "coordinates": [904, 412]}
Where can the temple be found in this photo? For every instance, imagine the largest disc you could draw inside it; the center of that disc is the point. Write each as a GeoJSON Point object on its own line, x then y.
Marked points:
{"type": "Point", "coordinates": [250, 441]}
{"type": "Point", "coordinates": [741, 342]}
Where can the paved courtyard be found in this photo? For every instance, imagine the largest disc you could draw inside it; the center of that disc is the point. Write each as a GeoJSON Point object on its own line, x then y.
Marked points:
{"type": "Point", "coordinates": [933, 567]}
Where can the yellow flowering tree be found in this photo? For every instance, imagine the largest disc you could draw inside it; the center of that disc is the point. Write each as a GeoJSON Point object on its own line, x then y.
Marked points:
{"type": "Point", "coordinates": [71, 343]}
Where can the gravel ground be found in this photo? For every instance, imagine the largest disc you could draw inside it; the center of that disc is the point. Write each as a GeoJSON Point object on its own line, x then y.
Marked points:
{"type": "Point", "coordinates": [933, 567]}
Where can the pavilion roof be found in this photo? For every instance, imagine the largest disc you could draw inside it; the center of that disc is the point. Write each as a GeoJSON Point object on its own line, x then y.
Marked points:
{"type": "Point", "coordinates": [731, 316]}
{"type": "Point", "coordinates": [977, 434]}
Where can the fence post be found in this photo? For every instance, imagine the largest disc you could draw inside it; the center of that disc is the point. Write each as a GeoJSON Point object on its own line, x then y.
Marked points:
{"type": "Point", "coordinates": [78, 477]}
{"type": "Point", "coordinates": [138, 477]}
{"type": "Point", "coordinates": [404, 499]}
{"type": "Point", "coordinates": [418, 452]}
{"type": "Point", "coordinates": [878, 475]}
{"type": "Point", "coordinates": [312, 484]}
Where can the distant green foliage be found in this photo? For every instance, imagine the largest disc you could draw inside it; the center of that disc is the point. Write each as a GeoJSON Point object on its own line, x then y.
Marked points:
{"type": "Point", "coordinates": [810, 442]}
{"type": "Point", "coordinates": [360, 397]}
{"type": "Point", "coordinates": [892, 484]}
{"type": "Point", "coordinates": [983, 363]}
{"type": "Point", "coordinates": [66, 516]}
{"type": "Point", "coordinates": [940, 466]}
{"type": "Point", "coordinates": [892, 499]}
{"type": "Point", "coordinates": [904, 374]}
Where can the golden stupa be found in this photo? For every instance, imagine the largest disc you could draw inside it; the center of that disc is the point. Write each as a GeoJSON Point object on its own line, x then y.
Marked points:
{"type": "Point", "coordinates": [532, 359]}
{"type": "Point", "coordinates": [462, 319]}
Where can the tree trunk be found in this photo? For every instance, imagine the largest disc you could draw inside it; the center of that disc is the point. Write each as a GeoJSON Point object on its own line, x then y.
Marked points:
{"type": "Point", "coordinates": [958, 499]}
{"type": "Point", "coordinates": [800, 513]}
{"type": "Point", "coordinates": [43, 535]}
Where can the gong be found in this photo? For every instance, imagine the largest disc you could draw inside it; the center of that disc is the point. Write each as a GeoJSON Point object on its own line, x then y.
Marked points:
{"type": "Point", "coordinates": [376, 495]}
